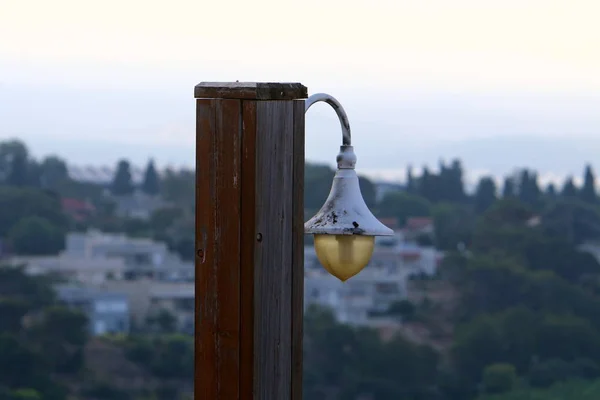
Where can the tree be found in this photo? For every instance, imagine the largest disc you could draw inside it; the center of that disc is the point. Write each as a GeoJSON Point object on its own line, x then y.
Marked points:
{"type": "Point", "coordinates": [584, 339]}
{"type": "Point", "coordinates": [60, 337]}
{"type": "Point", "coordinates": [31, 202]}
{"type": "Point", "coordinates": [428, 187]}
{"type": "Point", "coordinates": [20, 365]}
{"type": "Point", "coordinates": [569, 189]}
{"type": "Point", "coordinates": [551, 191]}
{"type": "Point", "coordinates": [453, 224]}
{"type": "Point", "coordinates": [574, 389]}
{"type": "Point", "coordinates": [528, 189]}
{"type": "Point", "coordinates": [403, 205]}
{"type": "Point", "coordinates": [545, 373]}
{"type": "Point", "coordinates": [151, 184]}
{"type": "Point", "coordinates": [485, 195]}
{"type": "Point", "coordinates": [571, 219]}
{"type": "Point", "coordinates": [122, 183]}
{"type": "Point", "coordinates": [27, 345]}
{"type": "Point", "coordinates": [371, 367]}
{"type": "Point", "coordinates": [36, 236]}
{"type": "Point", "coordinates": [167, 392]}
{"type": "Point", "coordinates": [588, 191]}
{"type": "Point", "coordinates": [403, 308]}
{"type": "Point", "coordinates": [26, 394]}
{"type": "Point", "coordinates": [54, 172]}
{"type": "Point", "coordinates": [12, 312]}
{"type": "Point", "coordinates": [104, 390]}
{"type": "Point", "coordinates": [10, 151]}
{"type": "Point", "coordinates": [135, 227]}
{"type": "Point", "coordinates": [163, 218]}
{"type": "Point", "coordinates": [477, 344]}
{"type": "Point", "coordinates": [367, 189]}
{"type": "Point", "coordinates": [17, 175]}
{"type": "Point", "coordinates": [163, 322]}
{"type": "Point", "coordinates": [173, 357]}
{"type": "Point", "coordinates": [411, 186]}
{"type": "Point", "coordinates": [318, 178]}
{"type": "Point", "coordinates": [451, 183]}
{"type": "Point", "coordinates": [499, 378]}
{"type": "Point", "coordinates": [17, 286]}
{"type": "Point", "coordinates": [508, 190]}
{"type": "Point", "coordinates": [560, 256]}
{"type": "Point", "coordinates": [179, 187]}
{"type": "Point", "coordinates": [506, 213]}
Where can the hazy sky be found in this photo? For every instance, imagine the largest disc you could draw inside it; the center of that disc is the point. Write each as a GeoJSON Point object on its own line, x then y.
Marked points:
{"type": "Point", "coordinates": [498, 83]}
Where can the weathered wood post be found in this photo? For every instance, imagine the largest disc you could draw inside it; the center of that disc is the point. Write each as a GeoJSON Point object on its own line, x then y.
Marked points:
{"type": "Point", "coordinates": [249, 240]}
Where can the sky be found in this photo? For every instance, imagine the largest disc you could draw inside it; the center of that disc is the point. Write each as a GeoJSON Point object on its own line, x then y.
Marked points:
{"type": "Point", "coordinates": [498, 84]}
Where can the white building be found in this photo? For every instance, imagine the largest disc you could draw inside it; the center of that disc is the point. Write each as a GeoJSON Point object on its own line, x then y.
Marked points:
{"type": "Point", "coordinates": [359, 300]}
{"type": "Point", "coordinates": [94, 257]}
{"type": "Point", "coordinates": [141, 256]}
{"type": "Point", "coordinates": [107, 312]}
{"type": "Point", "coordinates": [148, 297]}
{"type": "Point", "coordinates": [73, 268]}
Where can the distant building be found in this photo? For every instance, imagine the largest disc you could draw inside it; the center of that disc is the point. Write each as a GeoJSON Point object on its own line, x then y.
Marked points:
{"type": "Point", "coordinates": [142, 256]}
{"type": "Point", "coordinates": [417, 260]}
{"type": "Point", "coordinates": [73, 268]}
{"type": "Point", "coordinates": [94, 257]}
{"type": "Point", "coordinates": [136, 205]}
{"type": "Point", "coordinates": [359, 301]}
{"type": "Point", "coordinates": [108, 312]}
{"type": "Point", "coordinates": [102, 175]}
{"type": "Point", "coordinates": [148, 297]}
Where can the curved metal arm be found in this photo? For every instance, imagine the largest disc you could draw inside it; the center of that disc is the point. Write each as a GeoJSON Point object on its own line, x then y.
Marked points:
{"type": "Point", "coordinates": [339, 110]}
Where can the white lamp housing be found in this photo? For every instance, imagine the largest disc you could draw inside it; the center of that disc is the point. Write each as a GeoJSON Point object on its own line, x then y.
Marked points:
{"type": "Point", "coordinates": [344, 227]}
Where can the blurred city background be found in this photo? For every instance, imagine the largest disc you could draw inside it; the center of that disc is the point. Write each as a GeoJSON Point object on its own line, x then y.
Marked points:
{"type": "Point", "coordinates": [477, 131]}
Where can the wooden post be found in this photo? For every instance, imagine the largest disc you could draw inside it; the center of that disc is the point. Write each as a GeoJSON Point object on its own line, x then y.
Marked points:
{"type": "Point", "coordinates": [249, 241]}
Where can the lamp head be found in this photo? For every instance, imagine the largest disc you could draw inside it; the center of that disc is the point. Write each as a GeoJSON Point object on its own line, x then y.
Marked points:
{"type": "Point", "coordinates": [345, 229]}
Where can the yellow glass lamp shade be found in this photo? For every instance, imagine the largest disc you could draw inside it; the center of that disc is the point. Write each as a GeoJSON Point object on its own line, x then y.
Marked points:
{"type": "Point", "coordinates": [344, 256]}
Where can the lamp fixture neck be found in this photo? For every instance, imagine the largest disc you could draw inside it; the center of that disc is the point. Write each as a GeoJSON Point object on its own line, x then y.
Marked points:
{"type": "Point", "coordinates": [339, 110]}
{"type": "Point", "coordinates": [346, 159]}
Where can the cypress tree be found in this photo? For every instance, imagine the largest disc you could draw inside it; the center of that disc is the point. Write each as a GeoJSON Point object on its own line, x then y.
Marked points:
{"type": "Point", "coordinates": [122, 183]}
{"type": "Point", "coordinates": [151, 184]}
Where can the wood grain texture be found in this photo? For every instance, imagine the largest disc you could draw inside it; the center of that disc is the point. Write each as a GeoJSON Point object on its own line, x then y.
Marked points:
{"type": "Point", "coordinates": [273, 255]}
{"type": "Point", "coordinates": [251, 90]}
{"type": "Point", "coordinates": [249, 243]}
{"type": "Point", "coordinates": [218, 191]}
{"type": "Point", "coordinates": [297, 249]}
{"type": "Point", "coordinates": [249, 240]}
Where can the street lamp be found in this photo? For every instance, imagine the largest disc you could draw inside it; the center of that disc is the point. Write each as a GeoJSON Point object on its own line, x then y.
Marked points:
{"type": "Point", "coordinates": [344, 229]}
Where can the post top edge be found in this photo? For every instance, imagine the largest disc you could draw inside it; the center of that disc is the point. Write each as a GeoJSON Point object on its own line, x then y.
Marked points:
{"type": "Point", "coordinates": [251, 90]}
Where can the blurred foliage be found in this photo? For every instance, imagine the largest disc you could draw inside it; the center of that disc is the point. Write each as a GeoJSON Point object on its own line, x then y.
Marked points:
{"type": "Point", "coordinates": [525, 323]}
{"type": "Point", "coordinates": [571, 390]}
{"type": "Point", "coordinates": [499, 378]}
{"type": "Point", "coordinates": [401, 206]}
